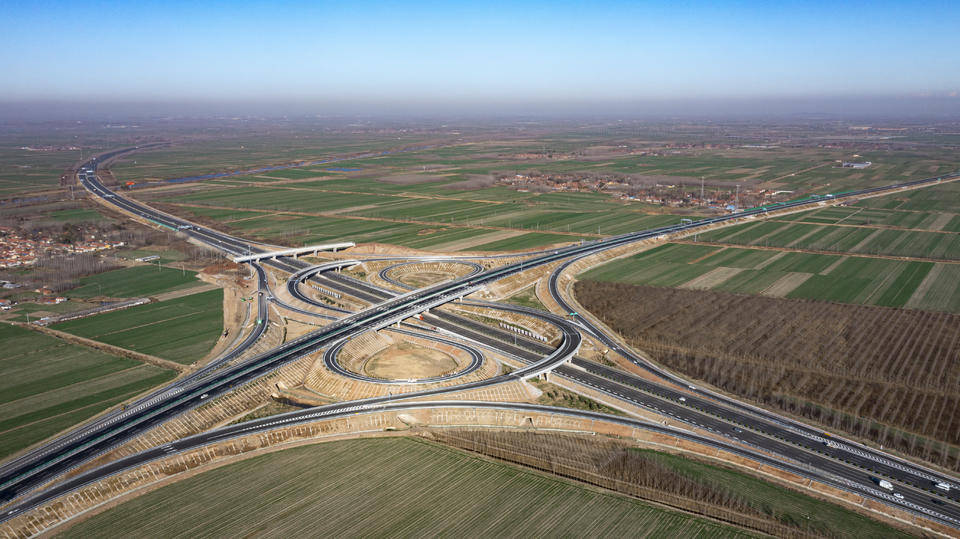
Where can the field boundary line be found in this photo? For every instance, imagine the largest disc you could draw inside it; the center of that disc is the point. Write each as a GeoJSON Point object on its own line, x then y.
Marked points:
{"type": "Point", "coordinates": [820, 252]}
{"type": "Point", "coordinates": [108, 348]}
{"type": "Point", "coordinates": [872, 227]}
{"type": "Point", "coordinates": [332, 215]}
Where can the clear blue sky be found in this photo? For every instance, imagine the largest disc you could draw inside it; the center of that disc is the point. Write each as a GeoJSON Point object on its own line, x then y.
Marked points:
{"type": "Point", "coordinates": [482, 51]}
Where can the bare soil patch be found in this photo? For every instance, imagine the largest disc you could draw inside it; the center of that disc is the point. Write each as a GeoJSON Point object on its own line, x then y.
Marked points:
{"type": "Point", "coordinates": [921, 292]}
{"type": "Point", "coordinates": [712, 278]}
{"type": "Point", "coordinates": [425, 278]}
{"type": "Point", "coordinates": [941, 221]}
{"type": "Point", "coordinates": [405, 360]}
{"type": "Point", "coordinates": [784, 285]}
{"type": "Point", "coordinates": [411, 179]}
{"type": "Point", "coordinates": [473, 181]}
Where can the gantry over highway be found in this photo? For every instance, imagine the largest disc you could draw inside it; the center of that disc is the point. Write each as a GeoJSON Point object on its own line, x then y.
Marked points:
{"type": "Point", "coordinates": [767, 431]}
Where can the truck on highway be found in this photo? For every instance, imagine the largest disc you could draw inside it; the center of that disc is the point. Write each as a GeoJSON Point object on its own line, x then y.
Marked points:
{"type": "Point", "coordinates": [942, 485]}
{"type": "Point", "coordinates": [885, 484]}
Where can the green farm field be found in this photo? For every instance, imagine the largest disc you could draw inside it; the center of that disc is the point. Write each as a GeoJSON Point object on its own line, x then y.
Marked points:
{"type": "Point", "coordinates": [23, 171]}
{"type": "Point", "coordinates": [49, 385]}
{"type": "Point", "coordinates": [451, 186]}
{"type": "Point", "coordinates": [525, 241]}
{"type": "Point", "coordinates": [317, 215]}
{"type": "Point", "coordinates": [181, 330]}
{"type": "Point", "coordinates": [245, 151]}
{"type": "Point", "coordinates": [939, 245]}
{"type": "Point", "coordinates": [941, 198]}
{"type": "Point", "coordinates": [922, 223]}
{"type": "Point", "coordinates": [400, 487]}
{"type": "Point", "coordinates": [841, 278]}
{"type": "Point", "coordinates": [136, 281]}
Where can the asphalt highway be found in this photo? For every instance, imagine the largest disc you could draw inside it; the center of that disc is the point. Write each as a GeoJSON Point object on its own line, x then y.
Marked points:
{"type": "Point", "coordinates": [381, 314]}
{"type": "Point", "coordinates": [764, 431]}
{"type": "Point", "coordinates": [476, 360]}
{"type": "Point", "coordinates": [385, 272]}
{"type": "Point", "coordinates": [382, 404]}
{"type": "Point", "coordinates": [756, 418]}
{"type": "Point", "coordinates": [700, 411]}
{"type": "Point", "coordinates": [61, 455]}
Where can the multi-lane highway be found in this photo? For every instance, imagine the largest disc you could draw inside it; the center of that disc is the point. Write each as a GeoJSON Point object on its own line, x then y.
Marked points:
{"type": "Point", "coordinates": [700, 408]}
{"type": "Point", "coordinates": [382, 404]}
{"type": "Point", "coordinates": [761, 420]}
{"type": "Point", "coordinates": [693, 405]}
{"type": "Point", "coordinates": [61, 455]}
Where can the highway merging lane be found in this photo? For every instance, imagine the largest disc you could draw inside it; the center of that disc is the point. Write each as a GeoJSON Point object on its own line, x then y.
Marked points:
{"type": "Point", "coordinates": [382, 404]}
{"type": "Point", "coordinates": [762, 420]}
{"type": "Point", "coordinates": [393, 310]}
{"type": "Point", "coordinates": [758, 431]}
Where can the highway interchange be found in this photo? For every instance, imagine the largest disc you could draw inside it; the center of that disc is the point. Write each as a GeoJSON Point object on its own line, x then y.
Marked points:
{"type": "Point", "coordinates": [842, 463]}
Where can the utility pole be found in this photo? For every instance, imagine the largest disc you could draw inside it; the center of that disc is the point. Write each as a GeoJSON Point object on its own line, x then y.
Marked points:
{"type": "Point", "coordinates": [701, 191]}
{"type": "Point", "coordinates": [736, 203]}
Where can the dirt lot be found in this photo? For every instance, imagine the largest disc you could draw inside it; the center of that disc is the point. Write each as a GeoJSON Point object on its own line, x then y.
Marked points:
{"type": "Point", "coordinates": [407, 360]}
{"type": "Point", "coordinates": [422, 279]}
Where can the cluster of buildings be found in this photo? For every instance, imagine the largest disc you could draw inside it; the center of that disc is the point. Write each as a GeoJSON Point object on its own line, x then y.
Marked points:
{"type": "Point", "coordinates": [49, 148]}
{"type": "Point", "coordinates": [18, 249]}
{"type": "Point", "coordinates": [46, 297]}
{"type": "Point", "coordinates": [559, 182]}
{"type": "Point", "coordinates": [673, 196]}
{"type": "Point", "coordinates": [854, 164]}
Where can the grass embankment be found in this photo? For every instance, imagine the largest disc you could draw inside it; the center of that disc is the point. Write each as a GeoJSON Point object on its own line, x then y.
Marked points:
{"type": "Point", "coordinates": [181, 330]}
{"type": "Point", "coordinates": [392, 486]}
{"type": "Point", "coordinates": [527, 298]}
{"type": "Point", "coordinates": [137, 281]}
{"type": "Point", "coordinates": [554, 395]}
{"type": "Point", "coordinates": [48, 385]}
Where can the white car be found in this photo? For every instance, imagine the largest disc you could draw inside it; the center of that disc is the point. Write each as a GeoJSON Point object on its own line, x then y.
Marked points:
{"type": "Point", "coordinates": [898, 496]}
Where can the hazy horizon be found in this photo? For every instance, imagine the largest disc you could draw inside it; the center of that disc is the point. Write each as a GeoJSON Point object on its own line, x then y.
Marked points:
{"type": "Point", "coordinates": [801, 57]}
{"type": "Point", "coordinates": [841, 108]}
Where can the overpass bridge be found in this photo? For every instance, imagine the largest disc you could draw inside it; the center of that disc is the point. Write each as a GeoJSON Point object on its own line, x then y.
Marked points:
{"type": "Point", "coordinates": [295, 252]}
